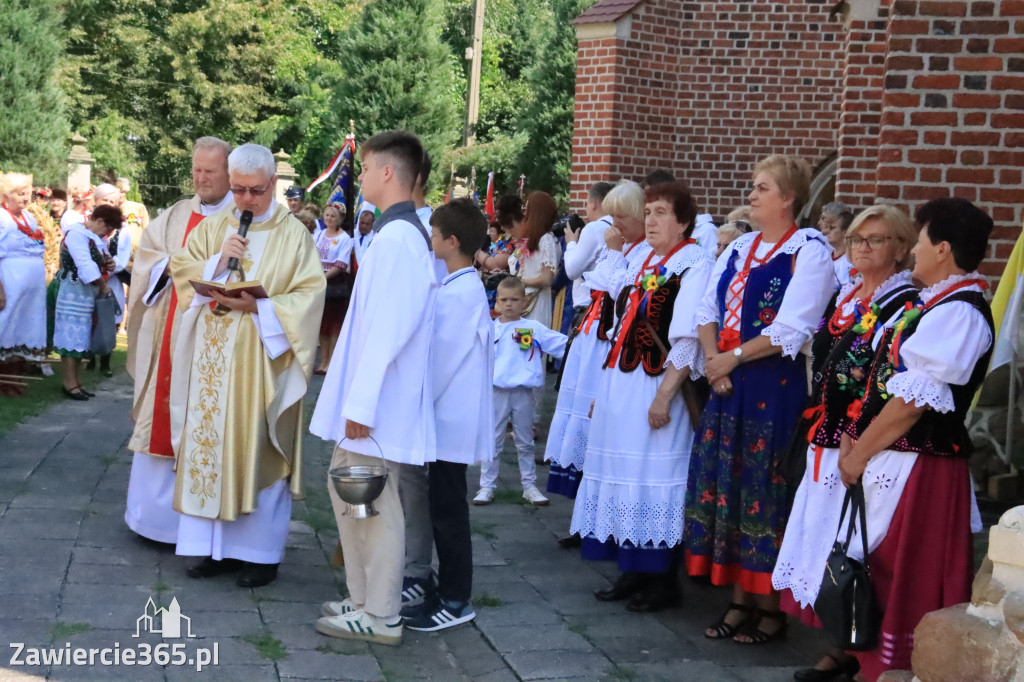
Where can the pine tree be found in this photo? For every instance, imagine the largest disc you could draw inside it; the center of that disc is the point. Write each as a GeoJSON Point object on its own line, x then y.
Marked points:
{"type": "Point", "coordinates": [546, 160]}
{"type": "Point", "coordinates": [33, 127]}
{"type": "Point", "coordinates": [399, 75]}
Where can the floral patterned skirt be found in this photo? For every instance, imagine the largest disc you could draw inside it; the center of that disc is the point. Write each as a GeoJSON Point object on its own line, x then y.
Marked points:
{"type": "Point", "coordinates": [736, 505]}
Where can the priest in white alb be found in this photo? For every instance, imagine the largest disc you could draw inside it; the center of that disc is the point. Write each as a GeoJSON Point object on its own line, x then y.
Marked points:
{"type": "Point", "coordinates": [377, 399]}
{"type": "Point", "coordinates": [238, 379]}
{"type": "Point", "coordinates": [152, 325]}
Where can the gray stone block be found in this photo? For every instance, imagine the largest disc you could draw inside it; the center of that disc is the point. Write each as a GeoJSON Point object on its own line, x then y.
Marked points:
{"type": "Point", "coordinates": [545, 665]}
{"type": "Point", "coordinates": [517, 638]}
{"type": "Point", "coordinates": [320, 666]}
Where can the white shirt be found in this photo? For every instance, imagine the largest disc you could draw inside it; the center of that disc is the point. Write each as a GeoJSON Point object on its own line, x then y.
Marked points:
{"type": "Point", "coordinates": [77, 240]}
{"type": "Point", "coordinates": [334, 251]}
{"type": "Point", "coordinates": [124, 249]}
{"type": "Point", "coordinates": [379, 374]}
{"type": "Point", "coordinates": [706, 233]}
{"type": "Point", "coordinates": [440, 269]}
{"type": "Point", "coordinates": [210, 209]}
{"type": "Point", "coordinates": [581, 257]}
{"type": "Point", "coordinates": [842, 266]}
{"type": "Point", "coordinates": [360, 243]}
{"type": "Point", "coordinates": [809, 290]}
{"type": "Point", "coordinates": [515, 367]}
{"type": "Point", "coordinates": [462, 366]}
{"type": "Point", "coordinates": [70, 217]}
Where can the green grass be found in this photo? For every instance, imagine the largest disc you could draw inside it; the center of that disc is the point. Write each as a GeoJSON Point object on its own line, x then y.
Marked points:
{"type": "Point", "coordinates": [485, 600]}
{"type": "Point", "coordinates": [63, 630]}
{"type": "Point", "coordinates": [509, 497]}
{"type": "Point", "coordinates": [159, 586]}
{"type": "Point", "coordinates": [267, 646]}
{"type": "Point", "coordinates": [39, 395]}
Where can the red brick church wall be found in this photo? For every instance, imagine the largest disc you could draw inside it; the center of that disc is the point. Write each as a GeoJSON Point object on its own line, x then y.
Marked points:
{"type": "Point", "coordinates": [921, 98]}
{"type": "Point", "coordinates": [704, 89]}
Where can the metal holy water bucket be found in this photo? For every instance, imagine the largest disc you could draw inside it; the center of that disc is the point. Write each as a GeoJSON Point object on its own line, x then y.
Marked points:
{"type": "Point", "coordinates": [360, 485]}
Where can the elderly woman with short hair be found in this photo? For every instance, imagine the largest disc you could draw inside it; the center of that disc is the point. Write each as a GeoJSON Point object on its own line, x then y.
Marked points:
{"type": "Point", "coordinates": [907, 441]}
{"type": "Point", "coordinates": [834, 223]}
{"type": "Point", "coordinates": [22, 278]}
{"type": "Point", "coordinates": [567, 437]}
{"type": "Point", "coordinates": [879, 243]}
{"type": "Point", "coordinates": [629, 506]}
{"type": "Point", "coordinates": [763, 303]}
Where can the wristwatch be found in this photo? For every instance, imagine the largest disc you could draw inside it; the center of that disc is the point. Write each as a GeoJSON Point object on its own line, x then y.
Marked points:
{"type": "Point", "coordinates": [738, 353]}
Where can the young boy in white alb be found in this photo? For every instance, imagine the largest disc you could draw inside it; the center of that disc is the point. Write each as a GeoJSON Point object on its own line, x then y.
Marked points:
{"type": "Point", "coordinates": [462, 364]}
{"type": "Point", "coordinates": [519, 349]}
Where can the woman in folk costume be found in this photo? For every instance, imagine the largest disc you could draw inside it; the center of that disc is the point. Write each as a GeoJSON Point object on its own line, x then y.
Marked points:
{"type": "Point", "coordinates": [878, 243]}
{"type": "Point", "coordinates": [630, 504]}
{"type": "Point", "coordinates": [567, 437]}
{"type": "Point", "coordinates": [22, 281]}
{"type": "Point", "coordinates": [335, 249]}
{"type": "Point", "coordinates": [536, 258]}
{"type": "Point", "coordinates": [81, 203]}
{"type": "Point", "coordinates": [909, 445]}
{"type": "Point", "coordinates": [763, 303]}
{"type": "Point", "coordinates": [85, 266]}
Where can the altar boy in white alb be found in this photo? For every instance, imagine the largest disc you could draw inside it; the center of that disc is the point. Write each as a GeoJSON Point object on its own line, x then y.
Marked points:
{"type": "Point", "coordinates": [519, 348]}
{"type": "Point", "coordinates": [462, 363]}
{"type": "Point", "coordinates": [377, 398]}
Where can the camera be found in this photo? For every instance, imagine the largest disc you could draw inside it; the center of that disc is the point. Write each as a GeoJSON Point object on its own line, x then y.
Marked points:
{"type": "Point", "coordinates": [573, 220]}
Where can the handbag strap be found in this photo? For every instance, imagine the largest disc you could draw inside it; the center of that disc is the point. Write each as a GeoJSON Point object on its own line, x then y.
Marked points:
{"type": "Point", "coordinates": [854, 500]}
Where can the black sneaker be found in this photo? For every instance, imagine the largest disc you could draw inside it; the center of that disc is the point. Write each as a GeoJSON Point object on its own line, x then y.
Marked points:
{"type": "Point", "coordinates": [441, 618]}
{"type": "Point", "coordinates": [416, 590]}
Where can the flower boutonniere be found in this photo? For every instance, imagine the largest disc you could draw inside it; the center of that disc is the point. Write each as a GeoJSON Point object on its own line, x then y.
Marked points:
{"type": "Point", "coordinates": [868, 319]}
{"type": "Point", "coordinates": [524, 337]}
{"type": "Point", "coordinates": [655, 279]}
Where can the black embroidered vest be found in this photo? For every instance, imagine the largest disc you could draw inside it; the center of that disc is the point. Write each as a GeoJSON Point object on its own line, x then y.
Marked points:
{"type": "Point", "coordinates": [935, 433]}
{"type": "Point", "coordinates": [841, 365]}
{"type": "Point", "coordinates": [639, 345]}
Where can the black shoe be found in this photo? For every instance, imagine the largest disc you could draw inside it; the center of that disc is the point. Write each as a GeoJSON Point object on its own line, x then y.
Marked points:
{"type": "Point", "coordinates": [257, 575]}
{"type": "Point", "coordinates": [88, 393]}
{"type": "Point", "coordinates": [656, 598]}
{"type": "Point", "coordinates": [208, 568]}
{"type": "Point", "coordinates": [74, 394]}
{"type": "Point", "coordinates": [570, 541]}
{"type": "Point", "coordinates": [627, 585]}
{"type": "Point", "coordinates": [843, 670]}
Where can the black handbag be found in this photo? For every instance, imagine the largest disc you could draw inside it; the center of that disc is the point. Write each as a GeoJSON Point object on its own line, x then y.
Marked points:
{"type": "Point", "coordinates": [846, 603]}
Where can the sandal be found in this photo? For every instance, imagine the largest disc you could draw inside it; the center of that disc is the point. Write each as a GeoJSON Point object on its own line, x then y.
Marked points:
{"type": "Point", "coordinates": [725, 630]}
{"type": "Point", "coordinates": [87, 393]}
{"type": "Point", "coordinates": [759, 636]}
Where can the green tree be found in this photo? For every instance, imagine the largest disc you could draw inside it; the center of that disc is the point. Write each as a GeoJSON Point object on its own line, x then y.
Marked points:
{"type": "Point", "coordinates": [33, 125]}
{"type": "Point", "coordinates": [398, 74]}
{"type": "Point", "coordinates": [548, 120]}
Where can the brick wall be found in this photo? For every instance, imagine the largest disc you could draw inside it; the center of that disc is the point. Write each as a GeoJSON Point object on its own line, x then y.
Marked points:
{"type": "Point", "coordinates": [953, 110]}
{"type": "Point", "coordinates": [704, 89]}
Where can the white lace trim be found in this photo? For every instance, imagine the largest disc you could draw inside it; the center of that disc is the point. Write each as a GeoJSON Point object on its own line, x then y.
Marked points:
{"type": "Point", "coordinates": [609, 271]}
{"type": "Point", "coordinates": [687, 352]}
{"type": "Point", "coordinates": [549, 251]}
{"type": "Point", "coordinates": [896, 281]}
{"type": "Point", "coordinates": [785, 337]}
{"type": "Point", "coordinates": [686, 257]}
{"type": "Point", "coordinates": [931, 292]}
{"type": "Point", "coordinates": [916, 387]}
{"type": "Point", "coordinates": [703, 318]}
{"type": "Point", "coordinates": [741, 245]}
{"type": "Point", "coordinates": [639, 514]}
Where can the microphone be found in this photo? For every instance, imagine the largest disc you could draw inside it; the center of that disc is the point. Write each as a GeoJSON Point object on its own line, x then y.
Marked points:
{"type": "Point", "coordinates": [243, 229]}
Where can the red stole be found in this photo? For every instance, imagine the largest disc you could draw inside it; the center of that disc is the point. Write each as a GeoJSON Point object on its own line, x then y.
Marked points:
{"type": "Point", "coordinates": [160, 436]}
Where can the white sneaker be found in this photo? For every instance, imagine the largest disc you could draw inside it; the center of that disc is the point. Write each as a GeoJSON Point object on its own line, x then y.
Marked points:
{"type": "Point", "coordinates": [484, 496]}
{"type": "Point", "coordinates": [361, 626]}
{"type": "Point", "coordinates": [337, 608]}
{"type": "Point", "coordinates": [534, 496]}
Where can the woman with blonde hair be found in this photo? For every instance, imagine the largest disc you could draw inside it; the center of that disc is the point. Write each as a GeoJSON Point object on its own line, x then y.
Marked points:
{"type": "Point", "coordinates": [567, 436]}
{"type": "Point", "coordinates": [763, 302]}
{"type": "Point", "coordinates": [81, 202]}
{"type": "Point", "coordinates": [878, 243]}
{"type": "Point", "coordinates": [22, 279]}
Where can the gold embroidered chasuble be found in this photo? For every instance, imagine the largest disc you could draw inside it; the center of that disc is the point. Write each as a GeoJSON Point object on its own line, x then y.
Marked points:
{"type": "Point", "coordinates": [145, 324]}
{"type": "Point", "coordinates": [236, 414]}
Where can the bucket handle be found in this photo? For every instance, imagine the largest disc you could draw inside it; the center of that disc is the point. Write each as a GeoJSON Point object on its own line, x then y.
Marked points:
{"type": "Point", "coordinates": [379, 449]}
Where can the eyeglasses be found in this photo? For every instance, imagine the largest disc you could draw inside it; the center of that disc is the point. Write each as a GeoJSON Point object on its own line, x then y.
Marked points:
{"type": "Point", "coordinates": [254, 191]}
{"type": "Point", "coordinates": [876, 241]}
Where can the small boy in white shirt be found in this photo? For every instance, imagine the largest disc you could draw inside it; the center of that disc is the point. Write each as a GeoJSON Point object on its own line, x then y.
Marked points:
{"type": "Point", "coordinates": [519, 348]}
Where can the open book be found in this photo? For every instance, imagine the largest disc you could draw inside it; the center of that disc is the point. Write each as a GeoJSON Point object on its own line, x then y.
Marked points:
{"type": "Point", "coordinates": [231, 289]}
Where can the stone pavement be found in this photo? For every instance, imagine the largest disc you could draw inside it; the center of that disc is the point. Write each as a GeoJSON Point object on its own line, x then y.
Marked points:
{"type": "Point", "coordinates": [73, 575]}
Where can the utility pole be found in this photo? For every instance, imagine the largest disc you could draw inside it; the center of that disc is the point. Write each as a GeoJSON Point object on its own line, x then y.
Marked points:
{"type": "Point", "coordinates": [474, 53]}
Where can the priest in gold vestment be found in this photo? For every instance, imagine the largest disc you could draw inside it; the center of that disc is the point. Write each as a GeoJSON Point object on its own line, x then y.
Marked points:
{"type": "Point", "coordinates": [238, 379]}
{"type": "Point", "coordinates": [151, 327]}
